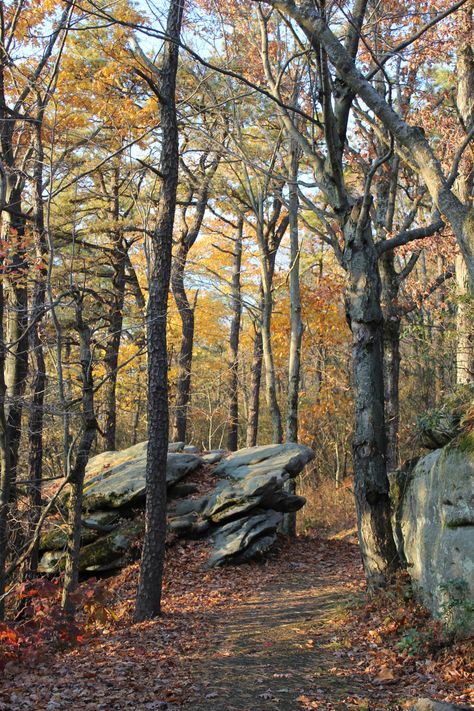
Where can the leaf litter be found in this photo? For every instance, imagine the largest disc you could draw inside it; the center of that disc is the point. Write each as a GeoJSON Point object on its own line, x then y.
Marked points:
{"type": "Point", "coordinates": [295, 632]}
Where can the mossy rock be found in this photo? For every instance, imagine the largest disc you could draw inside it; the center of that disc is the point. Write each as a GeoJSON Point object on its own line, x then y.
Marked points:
{"type": "Point", "coordinates": [449, 422]}
{"type": "Point", "coordinates": [400, 480]}
{"type": "Point", "coordinates": [110, 549]}
{"type": "Point", "coordinates": [56, 538]}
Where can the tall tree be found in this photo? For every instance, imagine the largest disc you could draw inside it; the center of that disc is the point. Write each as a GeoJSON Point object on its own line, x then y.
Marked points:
{"type": "Point", "coordinates": [199, 179]}
{"type": "Point", "coordinates": [234, 337]}
{"type": "Point", "coordinates": [163, 83]}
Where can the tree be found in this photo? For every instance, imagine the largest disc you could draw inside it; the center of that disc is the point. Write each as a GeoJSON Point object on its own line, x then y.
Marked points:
{"type": "Point", "coordinates": [199, 179]}
{"type": "Point", "coordinates": [26, 88]}
{"type": "Point", "coordinates": [163, 83]}
{"type": "Point", "coordinates": [234, 337]}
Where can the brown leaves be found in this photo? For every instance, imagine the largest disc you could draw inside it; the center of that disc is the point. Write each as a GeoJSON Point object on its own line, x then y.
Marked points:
{"type": "Point", "coordinates": [339, 658]}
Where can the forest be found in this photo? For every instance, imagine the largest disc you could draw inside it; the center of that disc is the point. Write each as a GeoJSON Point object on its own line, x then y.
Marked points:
{"type": "Point", "coordinates": [236, 354]}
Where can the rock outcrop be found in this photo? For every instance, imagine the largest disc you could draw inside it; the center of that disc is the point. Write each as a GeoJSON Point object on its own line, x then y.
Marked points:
{"type": "Point", "coordinates": [434, 528]}
{"type": "Point", "coordinates": [117, 479]}
{"type": "Point", "coordinates": [242, 514]}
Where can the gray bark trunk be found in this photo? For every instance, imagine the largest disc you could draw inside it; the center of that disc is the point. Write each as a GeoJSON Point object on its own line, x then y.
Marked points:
{"type": "Point", "coordinates": [35, 421]}
{"type": "Point", "coordinates": [269, 363]}
{"type": "Point", "coordinates": [234, 336]}
{"type": "Point", "coordinates": [463, 187]}
{"type": "Point", "coordinates": [148, 603]}
{"type": "Point", "coordinates": [362, 293]}
{"type": "Point", "coordinates": [464, 325]}
{"type": "Point", "coordinates": [89, 427]}
{"type": "Point", "coordinates": [5, 475]}
{"type": "Point", "coordinates": [255, 382]}
{"type": "Point", "coordinates": [16, 324]}
{"type": "Point", "coordinates": [391, 340]}
{"type": "Point", "coordinates": [185, 358]}
{"type": "Point", "coordinates": [115, 319]}
{"type": "Point", "coordinates": [296, 334]}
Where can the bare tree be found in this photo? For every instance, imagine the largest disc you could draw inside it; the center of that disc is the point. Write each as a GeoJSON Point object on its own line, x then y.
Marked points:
{"type": "Point", "coordinates": [163, 83]}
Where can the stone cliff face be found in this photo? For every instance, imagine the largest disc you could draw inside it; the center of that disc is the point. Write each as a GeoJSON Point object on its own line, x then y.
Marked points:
{"type": "Point", "coordinates": [434, 528]}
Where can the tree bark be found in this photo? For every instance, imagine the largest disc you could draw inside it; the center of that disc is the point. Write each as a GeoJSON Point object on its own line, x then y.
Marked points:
{"type": "Point", "coordinates": [464, 325]}
{"type": "Point", "coordinates": [463, 187]}
{"type": "Point", "coordinates": [296, 334]}
{"type": "Point", "coordinates": [89, 427]}
{"type": "Point", "coordinates": [391, 361]}
{"type": "Point", "coordinates": [236, 306]}
{"type": "Point", "coordinates": [35, 421]}
{"type": "Point", "coordinates": [255, 382]}
{"type": "Point", "coordinates": [115, 319]}
{"type": "Point", "coordinates": [362, 294]}
{"type": "Point", "coordinates": [148, 603]}
{"type": "Point", "coordinates": [5, 474]}
{"type": "Point", "coordinates": [16, 318]}
{"type": "Point", "coordinates": [185, 357]}
{"type": "Point", "coordinates": [269, 239]}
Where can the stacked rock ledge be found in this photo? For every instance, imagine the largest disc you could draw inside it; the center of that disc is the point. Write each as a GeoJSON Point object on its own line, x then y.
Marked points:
{"type": "Point", "coordinates": [242, 515]}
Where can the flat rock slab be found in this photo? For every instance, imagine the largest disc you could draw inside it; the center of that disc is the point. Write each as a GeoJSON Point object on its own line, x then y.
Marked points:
{"type": "Point", "coordinates": [116, 479]}
{"type": "Point", "coordinates": [278, 458]}
{"type": "Point", "coordinates": [214, 456]}
{"type": "Point", "coordinates": [234, 499]}
{"type": "Point", "coordinates": [245, 538]}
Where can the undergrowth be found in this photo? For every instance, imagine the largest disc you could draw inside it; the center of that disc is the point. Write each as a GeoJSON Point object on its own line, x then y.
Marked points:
{"type": "Point", "coordinates": [41, 626]}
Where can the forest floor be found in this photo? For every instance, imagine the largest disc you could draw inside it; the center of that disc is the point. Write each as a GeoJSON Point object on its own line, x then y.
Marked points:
{"type": "Point", "coordinates": [295, 632]}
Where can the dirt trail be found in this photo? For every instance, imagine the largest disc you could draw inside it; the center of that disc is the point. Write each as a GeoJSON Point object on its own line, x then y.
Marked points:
{"type": "Point", "coordinates": [277, 650]}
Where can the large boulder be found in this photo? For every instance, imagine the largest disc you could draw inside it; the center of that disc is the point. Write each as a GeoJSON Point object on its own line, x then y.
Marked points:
{"type": "Point", "coordinates": [279, 459]}
{"type": "Point", "coordinates": [117, 479]}
{"type": "Point", "coordinates": [434, 528]}
{"type": "Point", "coordinates": [214, 456]}
{"type": "Point", "coordinates": [233, 500]}
{"type": "Point", "coordinates": [55, 537]}
{"type": "Point", "coordinates": [242, 514]}
{"type": "Point", "coordinates": [108, 552]}
{"type": "Point", "coordinates": [245, 538]}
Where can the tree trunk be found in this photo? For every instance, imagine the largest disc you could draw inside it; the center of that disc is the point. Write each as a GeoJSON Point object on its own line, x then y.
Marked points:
{"type": "Point", "coordinates": [295, 306]}
{"type": "Point", "coordinates": [463, 187]}
{"type": "Point", "coordinates": [255, 382]}
{"type": "Point", "coordinates": [391, 362]}
{"type": "Point", "coordinates": [114, 337]}
{"type": "Point", "coordinates": [5, 473]}
{"type": "Point", "coordinates": [362, 294]}
{"type": "Point", "coordinates": [464, 325]}
{"type": "Point", "coordinates": [296, 334]}
{"type": "Point", "coordinates": [185, 358]}
{"type": "Point", "coordinates": [233, 420]}
{"type": "Point", "coordinates": [268, 360]}
{"type": "Point", "coordinates": [35, 422]}
{"type": "Point", "coordinates": [89, 427]}
{"type": "Point", "coordinates": [148, 602]}
{"type": "Point", "coordinates": [16, 317]}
